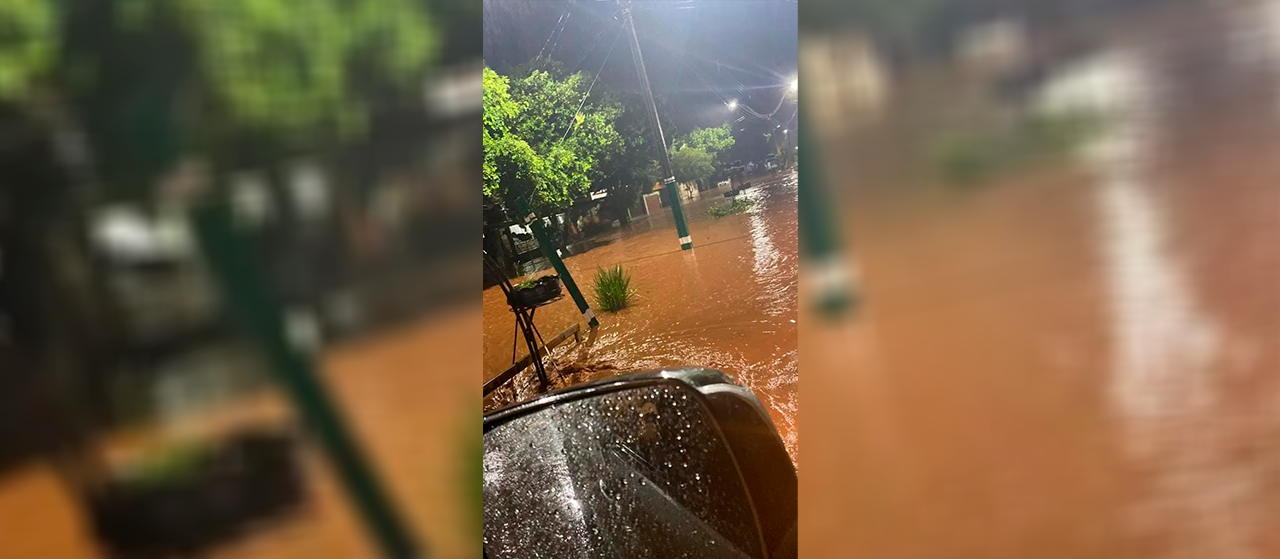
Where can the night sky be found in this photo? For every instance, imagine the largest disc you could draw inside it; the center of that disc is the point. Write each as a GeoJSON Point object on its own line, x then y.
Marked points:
{"type": "Point", "coordinates": [699, 53]}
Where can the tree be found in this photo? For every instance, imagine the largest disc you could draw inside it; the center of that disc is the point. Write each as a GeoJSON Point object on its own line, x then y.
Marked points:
{"type": "Point", "coordinates": [692, 164]}
{"type": "Point", "coordinates": [632, 168]}
{"type": "Point", "coordinates": [499, 112]}
{"type": "Point", "coordinates": [545, 141]}
{"type": "Point", "coordinates": [151, 79]}
{"type": "Point", "coordinates": [272, 68]}
{"type": "Point", "coordinates": [716, 140]}
{"type": "Point", "coordinates": [28, 45]}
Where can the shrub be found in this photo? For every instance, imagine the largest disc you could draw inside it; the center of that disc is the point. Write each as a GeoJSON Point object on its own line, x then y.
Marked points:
{"type": "Point", "coordinates": [989, 151]}
{"type": "Point", "coordinates": [738, 206]}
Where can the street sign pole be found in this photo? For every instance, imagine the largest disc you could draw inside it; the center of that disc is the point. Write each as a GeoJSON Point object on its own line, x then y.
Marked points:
{"type": "Point", "coordinates": [669, 182]}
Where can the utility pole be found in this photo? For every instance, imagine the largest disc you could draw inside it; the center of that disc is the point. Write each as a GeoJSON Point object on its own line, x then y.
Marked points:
{"type": "Point", "coordinates": [669, 183]}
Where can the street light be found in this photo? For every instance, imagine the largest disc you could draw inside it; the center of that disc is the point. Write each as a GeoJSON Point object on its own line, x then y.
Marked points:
{"type": "Point", "coordinates": [733, 105]}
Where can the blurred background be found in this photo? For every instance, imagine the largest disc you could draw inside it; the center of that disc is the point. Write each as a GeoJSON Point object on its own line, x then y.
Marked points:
{"type": "Point", "coordinates": [1038, 291]}
{"type": "Point", "coordinates": [196, 195]}
{"type": "Point", "coordinates": [1039, 298]}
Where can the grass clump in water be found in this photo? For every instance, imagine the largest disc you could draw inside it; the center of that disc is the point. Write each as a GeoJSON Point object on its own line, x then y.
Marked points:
{"type": "Point", "coordinates": [613, 288]}
{"type": "Point", "coordinates": [990, 152]}
{"type": "Point", "coordinates": [738, 206]}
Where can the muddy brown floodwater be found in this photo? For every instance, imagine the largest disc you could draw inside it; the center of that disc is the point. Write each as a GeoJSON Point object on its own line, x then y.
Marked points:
{"type": "Point", "coordinates": [1079, 362]}
{"type": "Point", "coordinates": [729, 304]}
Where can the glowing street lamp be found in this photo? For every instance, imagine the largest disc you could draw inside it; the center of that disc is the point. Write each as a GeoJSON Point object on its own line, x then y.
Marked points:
{"type": "Point", "coordinates": [733, 105]}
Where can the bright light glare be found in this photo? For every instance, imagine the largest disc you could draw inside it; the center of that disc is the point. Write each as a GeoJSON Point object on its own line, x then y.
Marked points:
{"type": "Point", "coordinates": [733, 105]}
{"type": "Point", "coordinates": [795, 85]}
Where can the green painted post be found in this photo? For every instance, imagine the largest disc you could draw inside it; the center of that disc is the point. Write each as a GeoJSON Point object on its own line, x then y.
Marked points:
{"type": "Point", "coordinates": [677, 211]}
{"type": "Point", "coordinates": [230, 258]}
{"type": "Point", "coordinates": [819, 237]}
{"type": "Point", "coordinates": [549, 250]}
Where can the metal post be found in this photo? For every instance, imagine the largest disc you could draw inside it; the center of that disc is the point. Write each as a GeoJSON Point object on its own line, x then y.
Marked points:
{"type": "Point", "coordinates": [549, 250]}
{"type": "Point", "coordinates": [669, 183]}
{"type": "Point", "coordinates": [231, 262]}
{"type": "Point", "coordinates": [819, 236]}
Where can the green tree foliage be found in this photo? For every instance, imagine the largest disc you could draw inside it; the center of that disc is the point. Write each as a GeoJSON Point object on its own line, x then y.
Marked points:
{"type": "Point", "coordinates": [28, 45]}
{"type": "Point", "coordinates": [499, 113]}
{"type": "Point", "coordinates": [691, 163]}
{"type": "Point", "coordinates": [716, 141]}
{"type": "Point", "coordinates": [148, 79]}
{"type": "Point", "coordinates": [544, 147]}
{"type": "Point", "coordinates": [632, 167]}
{"type": "Point", "coordinates": [274, 67]}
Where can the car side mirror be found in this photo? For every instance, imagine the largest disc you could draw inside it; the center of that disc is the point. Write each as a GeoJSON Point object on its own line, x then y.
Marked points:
{"type": "Point", "coordinates": [677, 463]}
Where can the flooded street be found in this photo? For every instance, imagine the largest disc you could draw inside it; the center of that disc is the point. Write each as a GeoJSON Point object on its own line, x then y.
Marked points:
{"type": "Point", "coordinates": [1079, 361]}
{"type": "Point", "coordinates": [729, 304]}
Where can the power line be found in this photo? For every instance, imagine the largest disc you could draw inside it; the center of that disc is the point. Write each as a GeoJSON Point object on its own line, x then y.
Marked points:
{"type": "Point", "coordinates": [559, 35]}
{"type": "Point", "coordinates": [767, 73]}
{"type": "Point", "coordinates": [746, 108]}
{"type": "Point", "coordinates": [594, 79]}
{"type": "Point", "coordinates": [595, 44]}
{"type": "Point", "coordinates": [780, 102]}
{"type": "Point", "coordinates": [559, 26]}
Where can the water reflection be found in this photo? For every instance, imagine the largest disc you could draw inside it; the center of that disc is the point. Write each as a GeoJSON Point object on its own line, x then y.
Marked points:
{"type": "Point", "coordinates": [1168, 345]}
